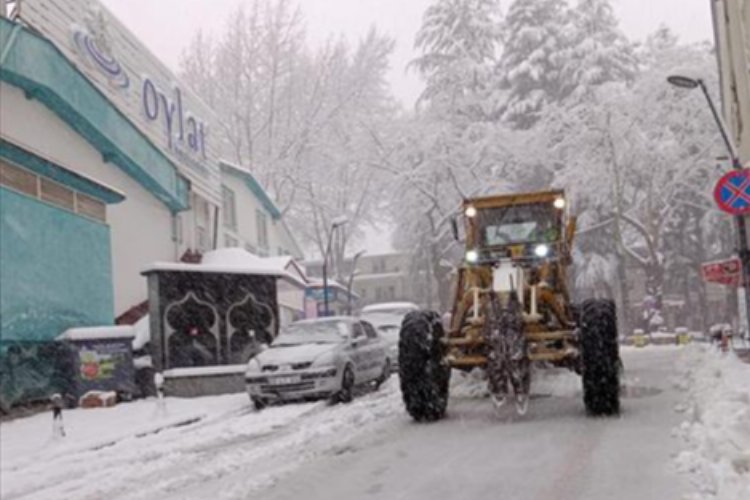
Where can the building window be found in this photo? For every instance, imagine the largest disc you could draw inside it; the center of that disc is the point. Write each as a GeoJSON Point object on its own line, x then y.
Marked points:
{"type": "Point", "coordinates": [18, 179]}
{"type": "Point", "coordinates": [202, 211]}
{"type": "Point", "coordinates": [230, 242]}
{"type": "Point", "coordinates": [378, 266]}
{"type": "Point", "coordinates": [88, 206]}
{"type": "Point", "coordinates": [201, 239]}
{"type": "Point", "coordinates": [177, 229]}
{"type": "Point", "coordinates": [262, 223]}
{"type": "Point", "coordinates": [230, 208]}
{"type": "Point", "coordinates": [59, 195]}
{"type": "Point", "coordinates": [29, 183]}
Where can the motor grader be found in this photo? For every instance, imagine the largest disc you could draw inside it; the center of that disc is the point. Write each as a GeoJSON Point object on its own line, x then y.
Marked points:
{"type": "Point", "coordinates": [512, 309]}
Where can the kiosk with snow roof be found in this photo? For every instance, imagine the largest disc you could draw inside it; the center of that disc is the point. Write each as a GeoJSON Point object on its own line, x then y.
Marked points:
{"type": "Point", "coordinates": [207, 320]}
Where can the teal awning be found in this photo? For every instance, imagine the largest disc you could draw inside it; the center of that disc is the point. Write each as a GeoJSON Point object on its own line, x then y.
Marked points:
{"type": "Point", "coordinates": [30, 62]}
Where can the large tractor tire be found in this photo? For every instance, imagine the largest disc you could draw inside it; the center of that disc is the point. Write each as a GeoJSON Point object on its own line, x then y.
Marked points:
{"type": "Point", "coordinates": [423, 375]}
{"type": "Point", "coordinates": [600, 357]}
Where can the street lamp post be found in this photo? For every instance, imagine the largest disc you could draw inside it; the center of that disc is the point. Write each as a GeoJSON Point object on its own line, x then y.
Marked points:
{"type": "Point", "coordinates": [337, 222]}
{"type": "Point", "coordinates": [351, 281]}
{"type": "Point", "coordinates": [744, 253]}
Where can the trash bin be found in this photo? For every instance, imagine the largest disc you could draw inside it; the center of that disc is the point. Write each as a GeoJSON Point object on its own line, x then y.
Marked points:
{"type": "Point", "coordinates": [102, 360]}
{"type": "Point", "coordinates": [639, 338]}
{"type": "Point", "coordinates": [683, 336]}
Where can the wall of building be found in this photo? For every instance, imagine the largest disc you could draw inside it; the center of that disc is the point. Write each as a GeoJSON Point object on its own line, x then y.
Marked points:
{"type": "Point", "coordinates": [246, 233]}
{"type": "Point", "coordinates": [55, 269]}
{"type": "Point", "coordinates": [141, 226]}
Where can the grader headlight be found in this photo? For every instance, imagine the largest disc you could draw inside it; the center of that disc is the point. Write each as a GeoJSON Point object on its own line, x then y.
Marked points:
{"type": "Point", "coordinates": [471, 211]}
{"type": "Point", "coordinates": [559, 203]}
{"type": "Point", "coordinates": [541, 250]}
{"type": "Point", "coordinates": [472, 256]}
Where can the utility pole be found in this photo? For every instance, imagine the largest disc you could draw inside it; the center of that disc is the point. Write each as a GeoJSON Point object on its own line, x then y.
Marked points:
{"type": "Point", "coordinates": [337, 222]}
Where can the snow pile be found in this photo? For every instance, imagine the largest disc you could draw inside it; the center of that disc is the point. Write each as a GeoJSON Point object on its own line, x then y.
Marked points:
{"type": "Point", "coordinates": [471, 384]}
{"type": "Point", "coordinates": [142, 329]}
{"type": "Point", "coordinates": [716, 429]}
{"type": "Point", "coordinates": [548, 382]}
{"type": "Point", "coordinates": [211, 447]}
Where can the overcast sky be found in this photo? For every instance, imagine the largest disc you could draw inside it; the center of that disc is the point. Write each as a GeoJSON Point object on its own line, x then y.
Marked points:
{"type": "Point", "coordinates": [166, 26]}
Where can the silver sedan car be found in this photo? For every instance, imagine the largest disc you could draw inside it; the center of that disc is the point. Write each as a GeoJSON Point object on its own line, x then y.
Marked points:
{"type": "Point", "coordinates": [319, 358]}
{"type": "Point", "coordinates": [387, 318]}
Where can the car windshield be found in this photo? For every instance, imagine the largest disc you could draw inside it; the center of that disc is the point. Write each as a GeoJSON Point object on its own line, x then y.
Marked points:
{"type": "Point", "coordinates": [518, 224]}
{"type": "Point", "coordinates": [388, 323]}
{"type": "Point", "coordinates": [378, 318]}
{"type": "Point", "coordinates": [389, 331]}
{"type": "Point", "coordinates": [317, 332]}
{"type": "Point", "coordinates": [396, 311]}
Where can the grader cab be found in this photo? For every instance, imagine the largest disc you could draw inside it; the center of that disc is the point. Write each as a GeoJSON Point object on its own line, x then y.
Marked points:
{"type": "Point", "coordinates": [512, 309]}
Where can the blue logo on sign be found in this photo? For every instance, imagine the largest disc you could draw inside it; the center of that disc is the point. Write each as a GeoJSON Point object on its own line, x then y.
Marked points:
{"type": "Point", "coordinates": [87, 46]}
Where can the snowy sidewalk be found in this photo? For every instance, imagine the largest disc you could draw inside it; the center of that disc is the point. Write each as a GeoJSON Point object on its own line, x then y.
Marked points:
{"type": "Point", "coordinates": [213, 447]}
{"type": "Point", "coordinates": [716, 426]}
{"type": "Point", "coordinates": [27, 440]}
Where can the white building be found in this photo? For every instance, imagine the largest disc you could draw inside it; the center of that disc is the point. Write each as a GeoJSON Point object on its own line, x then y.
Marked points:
{"type": "Point", "coordinates": [83, 94]}
{"type": "Point", "coordinates": [251, 220]}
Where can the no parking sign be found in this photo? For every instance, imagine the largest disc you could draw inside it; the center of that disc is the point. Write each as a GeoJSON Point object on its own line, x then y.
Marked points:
{"type": "Point", "coordinates": [732, 192]}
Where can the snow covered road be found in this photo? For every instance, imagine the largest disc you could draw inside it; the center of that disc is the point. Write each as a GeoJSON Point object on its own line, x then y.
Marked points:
{"type": "Point", "coordinates": [219, 448]}
{"type": "Point", "coordinates": [553, 452]}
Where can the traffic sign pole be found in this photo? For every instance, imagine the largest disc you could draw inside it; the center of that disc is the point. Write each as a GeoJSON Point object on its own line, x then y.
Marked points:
{"type": "Point", "coordinates": [743, 251]}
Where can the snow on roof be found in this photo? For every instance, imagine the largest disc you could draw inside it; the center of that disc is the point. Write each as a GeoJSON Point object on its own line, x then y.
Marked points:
{"type": "Point", "coordinates": [98, 332]}
{"type": "Point", "coordinates": [223, 260]}
{"type": "Point", "coordinates": [318, 283]}
{"type": "Point", "coordinates": [202, 268]}
{"type": "Point", "coordinates": [236, 261]}
{"type": "Point", "coordinates": [291, 267]}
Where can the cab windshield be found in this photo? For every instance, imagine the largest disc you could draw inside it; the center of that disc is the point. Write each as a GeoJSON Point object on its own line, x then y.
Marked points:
{"type": "Point", "coordinates": [518, 224]}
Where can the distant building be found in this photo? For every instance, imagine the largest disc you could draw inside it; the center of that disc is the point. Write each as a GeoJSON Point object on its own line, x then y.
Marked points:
{"type": "Point", "coordinates": [378, 278]}
{"type": "Point", "coordinates": [341, 301]}
{"type": "Point", "coordinates": [251, 219]}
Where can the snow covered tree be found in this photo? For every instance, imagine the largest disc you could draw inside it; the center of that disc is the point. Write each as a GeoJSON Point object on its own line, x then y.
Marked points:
{"type": "Point", "coordinates": [598, 52]}
{"type": "Point", "coordinates": [459, 41]}
{"type": "Point", "coordinates": [535, 33]}
{"type": "Point", "coordinates": [638, 160]}
{"type": "Point", "coordinates": [298, 118]}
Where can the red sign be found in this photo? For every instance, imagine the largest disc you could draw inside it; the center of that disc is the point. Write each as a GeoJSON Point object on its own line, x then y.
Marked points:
{"type": "Point", "coordinates": [732, 192]}
{"type": "Point", "coordinates": [726, 272]}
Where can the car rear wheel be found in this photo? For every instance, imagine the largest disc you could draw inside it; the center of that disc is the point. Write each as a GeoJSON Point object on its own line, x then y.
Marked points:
{"type": "Point", "coordinates": [385, 375]}
{"type": "Point", "coordinates": [345, 393]}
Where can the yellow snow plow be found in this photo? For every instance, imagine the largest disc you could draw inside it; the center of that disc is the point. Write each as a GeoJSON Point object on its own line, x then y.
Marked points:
{"type": "Point", "coordinates": [511, 308]}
